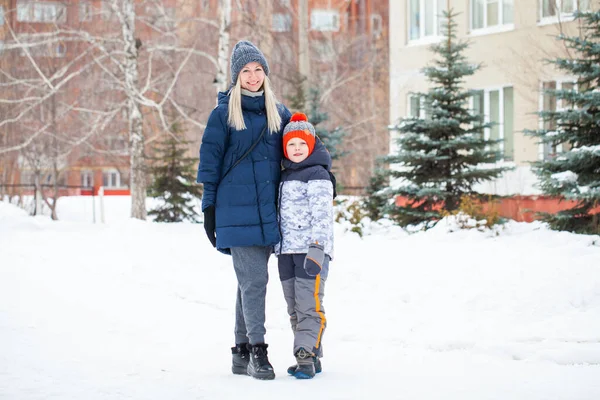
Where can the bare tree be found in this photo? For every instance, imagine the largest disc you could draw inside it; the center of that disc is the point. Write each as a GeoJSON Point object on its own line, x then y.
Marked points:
{"type": "Point", "coordinates": [128, 67]}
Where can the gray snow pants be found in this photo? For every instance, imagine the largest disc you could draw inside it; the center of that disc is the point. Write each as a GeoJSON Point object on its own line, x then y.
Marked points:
{"type": "Point", "coordinates": [304, 297]}
{"type": "Point", "coordinates": [250, 264]}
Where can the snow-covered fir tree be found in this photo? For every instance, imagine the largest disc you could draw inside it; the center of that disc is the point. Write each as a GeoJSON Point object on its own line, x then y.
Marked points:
{"type": "Point", "coordinates": [443, 154]}
{"type": "Point", "coordinates": [174, 177]}
{"type": "Point", "coordinates": [575, 174]}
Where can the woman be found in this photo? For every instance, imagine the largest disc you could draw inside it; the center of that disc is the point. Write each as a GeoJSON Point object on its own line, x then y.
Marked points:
{"type": "Point", "coordinates": [240, 194]}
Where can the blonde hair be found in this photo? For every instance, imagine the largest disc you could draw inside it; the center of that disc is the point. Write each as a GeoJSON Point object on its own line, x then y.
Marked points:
{"type": "Point", "coordinates": [235, 118]}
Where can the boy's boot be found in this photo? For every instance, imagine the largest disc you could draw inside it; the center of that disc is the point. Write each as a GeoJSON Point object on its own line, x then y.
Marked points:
{"type": "Point", "coordinates": [240, 357]}
{"type": "Point", "coordinates": [306, 364]}
{"type": "Point", "coordinates": [316, 360]}
{"type": "Point", "coordinates": [259, 366]}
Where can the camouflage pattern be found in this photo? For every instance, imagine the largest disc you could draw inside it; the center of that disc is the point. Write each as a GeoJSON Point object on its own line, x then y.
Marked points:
{"type": "Point", "coordinates": [306, 214]}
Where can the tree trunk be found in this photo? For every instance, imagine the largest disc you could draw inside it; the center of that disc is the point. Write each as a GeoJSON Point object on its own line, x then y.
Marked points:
{"type": "Point", "coordinates": [136, 133]}
{"type": "Point", "coordinates": [303, 50]}
{"type": "Point", "coordinates": [221, 82]}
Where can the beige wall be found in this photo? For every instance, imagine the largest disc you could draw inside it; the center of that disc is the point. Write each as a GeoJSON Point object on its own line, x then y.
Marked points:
{"type": "Point", "coordinates": [511, 58]}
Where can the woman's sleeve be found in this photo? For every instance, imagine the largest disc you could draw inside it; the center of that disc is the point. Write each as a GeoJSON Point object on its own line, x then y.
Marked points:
{"type": "Point", "coordinates": [212, 151]}
{"type": "Point", "coordinates": [285, 115]}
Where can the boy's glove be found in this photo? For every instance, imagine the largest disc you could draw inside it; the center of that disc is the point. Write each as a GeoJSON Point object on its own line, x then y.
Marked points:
{"type": "Point", "coordinates": [210, 224]}
{"type": "Point", "coordinates": [314, 259]}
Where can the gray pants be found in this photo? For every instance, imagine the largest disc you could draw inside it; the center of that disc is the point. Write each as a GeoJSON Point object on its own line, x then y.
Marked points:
{"type": "Point", "coordinates": [304, 297]}
{"type": "Point", "coordinates": [250, 264]}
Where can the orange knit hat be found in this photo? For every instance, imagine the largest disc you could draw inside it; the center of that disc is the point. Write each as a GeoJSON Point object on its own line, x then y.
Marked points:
{"type": "Point", "coordinates": [299, 127]}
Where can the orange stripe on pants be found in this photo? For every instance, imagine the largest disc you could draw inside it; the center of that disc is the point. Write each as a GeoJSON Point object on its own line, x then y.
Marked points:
{"type": "Point", "coordinates": [318, 310]}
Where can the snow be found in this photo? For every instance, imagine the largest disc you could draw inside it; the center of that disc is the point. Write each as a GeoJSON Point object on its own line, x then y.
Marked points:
{"type": "Point", "coordinates": [565, 177]}
{"type": "Point", "coordinates": [140, 310]}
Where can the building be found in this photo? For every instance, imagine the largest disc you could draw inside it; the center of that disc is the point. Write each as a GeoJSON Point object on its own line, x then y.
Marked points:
{"type": "Point", "coordinates": [339, 45]}
{"type": "Point", "coordinates": [340, 48]}
{"type": "Point", "coordinates": [512, 40]}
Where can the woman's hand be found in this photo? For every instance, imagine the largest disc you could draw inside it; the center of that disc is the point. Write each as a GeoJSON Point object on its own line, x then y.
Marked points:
{"type": "Point", "coordinates": [210, 224]}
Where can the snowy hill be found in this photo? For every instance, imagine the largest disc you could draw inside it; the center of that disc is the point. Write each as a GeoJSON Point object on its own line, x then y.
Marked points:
{"type": "Point", "coordinates": [139, 310]}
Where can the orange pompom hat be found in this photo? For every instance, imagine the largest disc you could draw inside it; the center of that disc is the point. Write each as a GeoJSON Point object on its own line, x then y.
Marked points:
{"type": "Point", "coordinates": [299, 127]}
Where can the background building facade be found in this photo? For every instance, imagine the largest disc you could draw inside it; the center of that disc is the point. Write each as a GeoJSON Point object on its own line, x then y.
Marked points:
{"type": "Point", "coordinates": [512, 40]}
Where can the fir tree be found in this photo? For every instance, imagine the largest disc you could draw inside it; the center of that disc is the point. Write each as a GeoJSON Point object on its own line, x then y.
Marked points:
{"type": "Point", "coordinates": [575, 175]}
{"type": "Point", "coordinates": [376, 199]}
{"type": "Point", "coordinates": [332, 139]}
{"type": "Point", "coordinates": [297, 101]}
{"type": "Point", "coordinates": [443, 155]}
{"type": "Point", "coordinates": [174, 177]}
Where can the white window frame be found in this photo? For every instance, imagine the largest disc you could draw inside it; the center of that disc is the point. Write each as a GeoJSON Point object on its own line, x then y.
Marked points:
{"type": "Point", "coordinates": [281, 22]}
{"type": "Point", "coordinates": [486, 113]}
{"type": "Point", "coordinates": [422, 39]}
{"type": "Point", "coordinates": [317, 15]}
{"type": "Point", "coordinates": [87, 178]}
{"type": "Point", "coordinates": [376, 20]}
{"type": "Point", "coordinates": [111, 173]}
{"type": "Point", "coordinates": [86, 11]}
{"type": "Point", "coordinates": [41, 12]}
{"type": "Point", "coordinates": [560, 16]}
{"type": "Point", "coordinates": [486, 30]}
{"type": "Point", "coordinates": [559, 107]}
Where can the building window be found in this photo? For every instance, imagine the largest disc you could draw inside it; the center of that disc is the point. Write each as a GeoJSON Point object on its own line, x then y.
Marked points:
{"type": "Point", "coordinates": [553, 9]}
{"type": "Point", "coordinates": [550, 103]}
{"type": "Point", "coordinates": [1, 46]}
{"type": "Point", "coordinates": [41, 49]}
{"type": "Point", "coordinates": [419, 107]}
{"type": "Point", "coordinates": [85, 11]}
{"type": "Point", "coordinates": [285, 3]}
{"type": "Point", "coordinates": [376, 25]}
{"type": "Point", "coordinates": [46, 12]}
{"type": "Point", "coordinates": [325, 20]}
{"type": "Point", "coordinates": [425, 18]}
{"type": "Point", "coordinates": [1, 15]}
{"type": "Point", "coordinates": [281, 22]}
{"type": "Point", "coordinates": [496, 106]}
{"type": "Point", "coordinates": [111, 179]}
{"type": "Point", "coordinates": [322, 50]}
{"type": "Point", "coordinates": [87, 178]}
{"type": "Point", "coordinates": [490, 13]}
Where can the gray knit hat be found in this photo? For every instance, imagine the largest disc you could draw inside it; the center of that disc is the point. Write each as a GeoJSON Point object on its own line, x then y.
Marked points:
{"type": "Point", "coordinates": [245, 52]}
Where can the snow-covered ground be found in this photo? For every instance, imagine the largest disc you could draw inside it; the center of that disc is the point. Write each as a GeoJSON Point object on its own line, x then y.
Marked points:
{"type": "Point", "coordinates": [139, 310]}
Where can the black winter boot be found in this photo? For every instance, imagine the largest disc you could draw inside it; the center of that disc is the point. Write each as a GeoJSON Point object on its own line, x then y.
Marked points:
{"type": "Point", "coordinates": [259, 366]}
{"type": "Point", "coordinates": [240, 357]}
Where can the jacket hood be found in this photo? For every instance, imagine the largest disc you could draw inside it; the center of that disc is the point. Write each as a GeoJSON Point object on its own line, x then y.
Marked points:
{"type": "Point", "coordinates": [248, 103]}
{"type": "Point", "coordinates": [319, 156]}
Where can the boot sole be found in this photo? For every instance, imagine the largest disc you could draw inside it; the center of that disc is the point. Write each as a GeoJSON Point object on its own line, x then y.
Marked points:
{"type": "Point", "coordinates": [265, 377]}
{"type": "Point", "coordinates": [239, 370]}
{"type": "Point", "coordinates": [302, 375]}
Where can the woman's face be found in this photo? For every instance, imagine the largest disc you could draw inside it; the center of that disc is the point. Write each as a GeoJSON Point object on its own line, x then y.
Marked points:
{"type": "Point", "coordinates": [252, 76]}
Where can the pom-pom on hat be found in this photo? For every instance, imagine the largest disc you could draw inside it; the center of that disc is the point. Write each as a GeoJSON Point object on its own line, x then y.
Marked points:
{"type": "Point", "coordinates": [299, 127]}
{"type": "Point", "coordinates": [245, 52]}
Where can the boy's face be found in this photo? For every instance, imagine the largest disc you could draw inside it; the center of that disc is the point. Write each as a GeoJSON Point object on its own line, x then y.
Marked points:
{"type": "Point", "coordinates": [297, 150]}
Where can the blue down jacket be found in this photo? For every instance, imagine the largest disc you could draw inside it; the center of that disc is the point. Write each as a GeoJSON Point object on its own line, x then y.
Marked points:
{"type": "Point", "coordinates": [246, 199]}
{"type": "Point", "coordinates": [306, 203]}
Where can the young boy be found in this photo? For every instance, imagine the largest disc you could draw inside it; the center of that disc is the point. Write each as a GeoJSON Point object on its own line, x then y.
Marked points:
{"type": "Point", "coordinates": [306, 247]}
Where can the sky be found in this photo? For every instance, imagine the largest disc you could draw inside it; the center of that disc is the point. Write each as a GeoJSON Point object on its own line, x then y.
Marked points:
{"type": "Point", "coordinates": [130, 309]}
